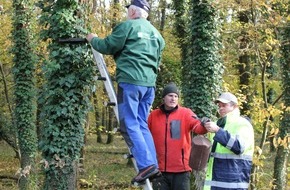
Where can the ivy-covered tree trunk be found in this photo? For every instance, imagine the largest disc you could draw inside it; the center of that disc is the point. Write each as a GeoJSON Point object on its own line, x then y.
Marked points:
{"type": "Point", "coordinates": [181, 29]}
{"type": "Point", "coordinates": [202, 68]}
{"type": "Point", "coordinates": [180, 24]}
{"type": "Point", "coordinates": [24, 89]}
{"type": "Point", "coordinates": [69, 72]}
{"type": "Point", "coordinates": [202, 71]}
{"type": "Point", "coordinates": [282, 156]}
{"type": "Point", "coordinates": [202, 75]}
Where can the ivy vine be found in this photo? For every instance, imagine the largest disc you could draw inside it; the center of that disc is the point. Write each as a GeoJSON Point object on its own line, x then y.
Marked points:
{"type": "Point", "coordinates": [65, 100]}
{"type": "Point", "coordinates": [202, 69]}
{"type": "Point", "coordinates": [24, 89]}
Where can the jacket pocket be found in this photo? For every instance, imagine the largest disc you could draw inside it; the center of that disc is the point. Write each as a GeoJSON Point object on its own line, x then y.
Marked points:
{"type": "Point", "coordinates": [175, 129]}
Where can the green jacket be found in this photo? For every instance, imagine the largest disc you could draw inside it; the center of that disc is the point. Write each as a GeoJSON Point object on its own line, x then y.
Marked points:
{"type": "Point", "coordinates": [137, 48]}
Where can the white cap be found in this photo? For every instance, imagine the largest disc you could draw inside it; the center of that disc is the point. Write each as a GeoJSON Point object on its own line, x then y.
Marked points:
{"type": "Point", "coordinates": [227, 97]}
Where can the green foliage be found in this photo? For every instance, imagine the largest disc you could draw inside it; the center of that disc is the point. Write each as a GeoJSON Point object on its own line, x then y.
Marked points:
{"type": "Point", "coordinates": [252, 31]}
{"type": "Point", "coordinates": [65, 99]}
{"type": "Point", "coordinates": [182, 20]}
{"type": "Point", "coordinates": [24, 90]}
{"type": "Point", "coordinates": [170, 68]}
{"type": "Point", "coordinates": [202, 70]}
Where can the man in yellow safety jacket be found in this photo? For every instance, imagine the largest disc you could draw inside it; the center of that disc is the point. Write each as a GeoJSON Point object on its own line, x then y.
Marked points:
{"type": "Point", "coordinates": [232, 138]}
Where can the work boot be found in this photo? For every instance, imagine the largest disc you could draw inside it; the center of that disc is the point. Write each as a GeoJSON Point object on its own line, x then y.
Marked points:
{"type": "Point", "coordinates": [145, 173]}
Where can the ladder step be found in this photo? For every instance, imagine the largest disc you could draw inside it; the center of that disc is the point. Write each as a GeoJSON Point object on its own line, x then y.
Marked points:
{"type": "Point", "coordinates": [128, 156]}
{"type": "Point", "coordinates": [102, 78]}
{"type": "Point", "coordinates": [110, 104]}
{"type": "Point", "coordinates": [72, 40]}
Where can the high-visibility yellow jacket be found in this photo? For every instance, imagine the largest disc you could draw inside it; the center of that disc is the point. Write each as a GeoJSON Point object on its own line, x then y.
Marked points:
{"type": "Point", "coordinates": [230, 162]}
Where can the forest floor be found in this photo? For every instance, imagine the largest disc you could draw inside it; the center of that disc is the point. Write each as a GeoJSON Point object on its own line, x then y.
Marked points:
{"type": "Point", "coordinates": [104, 167]}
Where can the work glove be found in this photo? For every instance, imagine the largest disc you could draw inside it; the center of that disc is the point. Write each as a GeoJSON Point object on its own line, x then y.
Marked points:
{"type": "Point", "coordinates": [204, 120]}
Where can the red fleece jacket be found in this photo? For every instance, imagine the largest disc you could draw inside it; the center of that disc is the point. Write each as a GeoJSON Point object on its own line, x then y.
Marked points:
{"type": "Point", "coordinates": [172, 137]}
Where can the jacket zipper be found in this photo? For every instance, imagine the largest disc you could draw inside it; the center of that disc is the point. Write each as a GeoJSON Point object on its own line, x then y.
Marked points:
{"type": "Point", "coordinates": [166, 130]}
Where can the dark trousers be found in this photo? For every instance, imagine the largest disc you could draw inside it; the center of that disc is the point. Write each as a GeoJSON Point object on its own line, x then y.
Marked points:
{"type": "Point", "coordinates": [172, 181]}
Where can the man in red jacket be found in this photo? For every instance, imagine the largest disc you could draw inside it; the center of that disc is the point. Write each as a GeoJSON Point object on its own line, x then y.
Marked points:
{"type": "Point", "coordinates": [171, 126]}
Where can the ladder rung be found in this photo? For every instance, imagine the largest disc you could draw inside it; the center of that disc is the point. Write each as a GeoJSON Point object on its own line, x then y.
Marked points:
{"type": "Point", "coordinates": [102, 78]}
{"type": "Point", "coordinates": [128, 156]}
{"type": "Point", "coordinates": [109, 103]}
{"type": "Point", "coordinates": [72, 40]}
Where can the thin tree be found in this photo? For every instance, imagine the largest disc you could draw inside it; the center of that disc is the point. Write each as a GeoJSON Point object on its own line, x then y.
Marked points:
{"type": "Point", "coordinates": [97, 115]}
{"type": "Point", "coordinates": [163, 6]}
{"type": "Point", "coordinates": [7, 132]}
{"type": "Point", "coordinates": [181, 26]}
{"type": "Point", "coordinates": [24, 89]}
{"type": "Point", "coordinates": [244, 66]}
{"type": "Point", "coordinates": [282, 156]}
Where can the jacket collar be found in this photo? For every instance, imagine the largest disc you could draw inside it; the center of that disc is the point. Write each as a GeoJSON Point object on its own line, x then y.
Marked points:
{"type": "Point", "coordinates": [162, 108]}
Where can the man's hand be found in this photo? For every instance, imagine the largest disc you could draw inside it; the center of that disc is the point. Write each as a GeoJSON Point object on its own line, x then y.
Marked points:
{"type": "Point", "coordinates": [204, 120]}
{"type": "Point", "coordinates": [211, 127]}
{"type": "Point", "coordinates": [91, 36]}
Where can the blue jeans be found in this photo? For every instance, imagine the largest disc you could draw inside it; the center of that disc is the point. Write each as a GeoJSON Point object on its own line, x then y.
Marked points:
{"type": "Point", "coordinates": [134, 103]}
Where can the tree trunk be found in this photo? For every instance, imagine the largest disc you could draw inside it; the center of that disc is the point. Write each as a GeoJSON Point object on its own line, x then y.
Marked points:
{"type": "Point", "coordinates": [282, 157]}
{"type": "Point", "coordinates": [9, 138]}
{"type": "Point", "coordinates": [24, 89]}
{"type": "Point", "coordinates": [69, 80]}
{"type": "Point", "coordinates": [98, 118]}
{"type": "Point", "coordinates": [163, 6]}
{"type": "Point", "coordinates": [87, 129]}
{"type": "Point", "coordinates": [63, 177]}
{"type": "Point", "coordinates": [280, 167]}
{"type": "Point", "coordinates": [202, 69]}
{"type": "Point", "coordinates": [244, 66]}
{"type": "Point", "coordinates": [111, 117]}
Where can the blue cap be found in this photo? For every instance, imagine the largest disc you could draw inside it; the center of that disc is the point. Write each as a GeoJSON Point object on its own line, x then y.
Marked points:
{"type": "Point", "coordinates": [143, 4]}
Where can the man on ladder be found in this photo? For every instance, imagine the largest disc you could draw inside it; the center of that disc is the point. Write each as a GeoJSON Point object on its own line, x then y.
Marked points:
{"type": "Point", "coordinates": [137, 48]}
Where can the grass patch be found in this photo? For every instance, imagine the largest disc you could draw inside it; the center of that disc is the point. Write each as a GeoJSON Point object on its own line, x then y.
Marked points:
{"type": "Point", "coordinates": [8, 167]}
{"type": "Point", "coordinates": [104, 166]}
